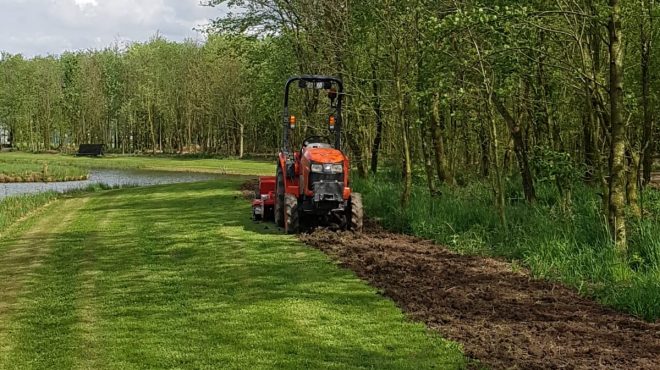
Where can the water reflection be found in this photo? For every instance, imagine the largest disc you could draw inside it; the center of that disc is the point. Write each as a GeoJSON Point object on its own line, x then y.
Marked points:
{"type": "Point", "coordinates": [108, 177]}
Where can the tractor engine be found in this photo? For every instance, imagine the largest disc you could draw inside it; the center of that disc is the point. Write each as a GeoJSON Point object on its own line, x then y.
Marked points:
{"type": "Point", "coordinates": [323, 178]}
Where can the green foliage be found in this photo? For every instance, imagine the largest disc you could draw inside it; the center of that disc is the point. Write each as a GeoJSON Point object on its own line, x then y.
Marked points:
{"type": "Point", "coordinates": [556, 168]}
{"type": "Point", "coordinates": [158, 96]}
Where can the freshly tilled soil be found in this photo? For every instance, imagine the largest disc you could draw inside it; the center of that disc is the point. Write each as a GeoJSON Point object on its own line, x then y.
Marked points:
{"type": "Point", "coordinates": [249, 188]}
{"type": "Point", "coordinates": [503, 317]}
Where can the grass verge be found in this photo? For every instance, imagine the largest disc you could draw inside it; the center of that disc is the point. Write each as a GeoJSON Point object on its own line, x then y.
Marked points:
{"type": "Point", "coordinates": [15, 208]}
{"type": "Point", "coordinates": [161, 163]}
{"type": "Point", "coordinates": [38, 171]}
{"type": "Point", "coordinates": [568, 244]}
{"type": "Point", "coordinates": [178, 276]}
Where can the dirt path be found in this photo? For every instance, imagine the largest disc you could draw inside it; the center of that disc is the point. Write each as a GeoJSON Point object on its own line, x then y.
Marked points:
{"type": "Point", "coordinates": [502, 317]}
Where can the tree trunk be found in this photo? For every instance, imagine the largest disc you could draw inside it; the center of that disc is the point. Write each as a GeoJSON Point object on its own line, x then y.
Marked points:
{"type": "Point", "coordinates": [520, 149]}
{"type": "Point", "coordinates": [632, 188]}
{"type": "Point", "coordinates": [358, 159]}
{"type": "Point", "coordinates": [497, 181]}
{"type": "Point", "coordinates": [484, 144]}
{"type": "Point", "coordinates": [648, 144]}
{"type": "Point", "coordinates": [542, 97]}
{"type": "Point", "coordinates": [379, 121]}
{"type": "Point", "coordinates": [152, 130]}
{"type": "Point", "coordinates": [588, 141]}
{"type": "Point", "coordinates": [424, 132]}
{"type": "Point", "coordinates": [617, 161]}
{"type": "Point", "coordinates": [407, 165]}
{"type": "Point", "coordinates": [437, 136]}
{"type": "Point", "coordinates": [241, 144]}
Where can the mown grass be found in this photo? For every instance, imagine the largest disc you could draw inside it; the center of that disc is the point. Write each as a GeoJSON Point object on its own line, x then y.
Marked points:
{"type": "Point", "coordinates": [227, 166]}
{"type": "Point", "coordinates": [178, 276]}
{"type": "Point", "coordinates": [570, 244]}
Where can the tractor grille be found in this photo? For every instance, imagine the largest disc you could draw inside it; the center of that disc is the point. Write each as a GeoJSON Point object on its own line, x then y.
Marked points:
{"type": "Point", "coordinates": [326, 177]}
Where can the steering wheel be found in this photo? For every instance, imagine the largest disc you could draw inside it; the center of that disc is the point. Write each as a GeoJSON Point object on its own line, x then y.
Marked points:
{"type": "Point", "coordinates": [315, 139]}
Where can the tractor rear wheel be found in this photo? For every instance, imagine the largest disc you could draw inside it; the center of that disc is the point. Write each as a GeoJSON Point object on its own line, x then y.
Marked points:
{"type": "Point", "coordinates": [355, 213]}
{"type": "Point", "coordinates": [292, 214]}
{"type": "Point", "coordinates": [279, 198]}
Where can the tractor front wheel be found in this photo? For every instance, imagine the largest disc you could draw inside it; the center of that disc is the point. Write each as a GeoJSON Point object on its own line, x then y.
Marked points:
{"type": "Point", "coordinates": [292, 214]}
{"type": "Point", "coordinates": [355, 214]}
{"type": "Point", "coordinates": [279, 198]}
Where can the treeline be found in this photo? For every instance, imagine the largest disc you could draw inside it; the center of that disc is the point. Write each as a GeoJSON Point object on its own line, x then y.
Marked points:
{"type": "Point", "coordinates": [552, 91]}
{"type": "Point", "coordinates": [555, 91]}
{"type": "Point", "coordinates": [156, 97]}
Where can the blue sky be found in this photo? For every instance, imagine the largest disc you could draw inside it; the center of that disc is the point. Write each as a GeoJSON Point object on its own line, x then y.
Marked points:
{"type": "Point", "coordinates": [41, 27]}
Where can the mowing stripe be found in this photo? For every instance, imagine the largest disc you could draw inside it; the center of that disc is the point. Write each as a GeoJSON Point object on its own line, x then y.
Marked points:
{"type": "Point", "coordinates": [22, 257]}
{"type": "Point", "coordinates": [179, 277]}
{"type": "Point", "coordinates": [87, 294]}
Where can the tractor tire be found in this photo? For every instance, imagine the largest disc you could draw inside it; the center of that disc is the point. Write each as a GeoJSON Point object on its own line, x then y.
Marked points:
{"type": "Point", "coordinates": [355, 213]}
{"type": "Point", "coordinates": [279, 198]}
{"type": "Point", "coordinates": [292, 214]}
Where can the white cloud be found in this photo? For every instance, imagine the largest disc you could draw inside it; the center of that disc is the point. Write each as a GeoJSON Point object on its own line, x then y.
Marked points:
{"type": "Point", "coordinates": [83, 3]}
{"type": "Point", "coordinates": [38, 27]}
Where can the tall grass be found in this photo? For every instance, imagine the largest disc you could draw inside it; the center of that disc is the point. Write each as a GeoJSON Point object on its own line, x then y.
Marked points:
{"type": "Point", "coordinates": [14, 208]}
{"type": "Point", "coordinates": [39, 171]}
{"type": "Point", "coordinates": [566, 243]}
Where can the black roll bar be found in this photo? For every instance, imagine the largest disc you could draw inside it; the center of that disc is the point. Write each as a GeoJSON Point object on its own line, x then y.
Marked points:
{"type": "Point", "coordinates": [314, 79]}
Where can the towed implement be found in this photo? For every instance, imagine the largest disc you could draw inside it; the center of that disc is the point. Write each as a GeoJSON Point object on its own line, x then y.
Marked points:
{"type": "Point", "coordinates": [311, 185]}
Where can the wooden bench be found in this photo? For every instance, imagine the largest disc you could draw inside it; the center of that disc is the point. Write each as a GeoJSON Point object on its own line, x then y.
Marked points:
{"type": "Point", "coordinates": [90, 150]}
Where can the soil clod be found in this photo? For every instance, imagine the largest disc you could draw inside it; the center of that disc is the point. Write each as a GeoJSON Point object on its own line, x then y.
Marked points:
{"type": "Point", "coordinates": [249, 188]}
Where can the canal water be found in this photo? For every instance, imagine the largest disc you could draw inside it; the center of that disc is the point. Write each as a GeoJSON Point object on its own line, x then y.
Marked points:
{"type": "Point", "coordinates": [107, 177]}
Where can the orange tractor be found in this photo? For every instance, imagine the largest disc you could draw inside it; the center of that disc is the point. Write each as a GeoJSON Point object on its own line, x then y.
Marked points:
{"type": "Point", "coordinates": [311, 186]}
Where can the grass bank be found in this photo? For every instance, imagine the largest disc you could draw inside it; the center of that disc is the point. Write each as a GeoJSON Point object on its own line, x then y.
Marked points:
{"type": "Point", "coordinates": [226, 166]}
{"type": "Point", "coordinates": [38, 171]}
{"type": "Point", "coordinates": [567, 244]}
{"type": "Point", "coordinates": [178, 276]}
{"type": "Point", "coordinates": [13, 209]}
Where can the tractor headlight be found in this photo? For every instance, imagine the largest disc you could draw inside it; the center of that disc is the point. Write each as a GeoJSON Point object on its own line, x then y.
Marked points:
{"type": "Point", "coordinates": [334, 168]}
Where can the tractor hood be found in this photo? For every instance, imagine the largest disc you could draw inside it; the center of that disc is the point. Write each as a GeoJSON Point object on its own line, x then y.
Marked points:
{"type": "Point", "coordinates": [324, 155]}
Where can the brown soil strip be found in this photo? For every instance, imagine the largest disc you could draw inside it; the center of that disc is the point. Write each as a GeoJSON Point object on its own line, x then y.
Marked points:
{"type": "Point", "coordinates": [503, 318]}
{"type": "Point", "coordinates": [249, 188]}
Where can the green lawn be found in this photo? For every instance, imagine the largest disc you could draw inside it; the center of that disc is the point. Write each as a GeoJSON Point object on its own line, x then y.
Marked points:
{"type": "Point", "coordinates": [178, 276]}
{"type": "Point", "coordinates": [161, 163]}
